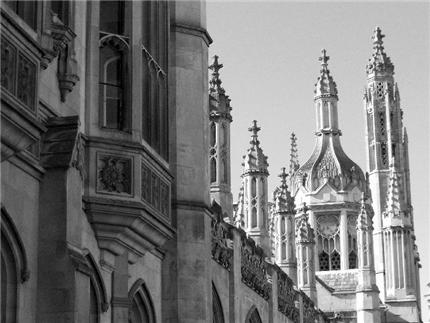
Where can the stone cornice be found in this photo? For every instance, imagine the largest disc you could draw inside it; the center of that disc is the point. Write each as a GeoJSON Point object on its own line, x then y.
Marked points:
{"type": "Point", "coordinates": [193, 30]}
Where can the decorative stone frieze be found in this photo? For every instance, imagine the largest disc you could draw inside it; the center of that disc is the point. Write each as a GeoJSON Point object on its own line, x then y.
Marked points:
{"type": "Point", "coordinates": [254, 268]}
{"type": "Point", "coordinates": [287, 297]}
{"type": "Point", "coordinates": [114, 174]}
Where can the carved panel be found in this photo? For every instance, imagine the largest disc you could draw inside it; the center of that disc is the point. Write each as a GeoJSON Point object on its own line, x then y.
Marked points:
{"type": "Point", "coordinates": [18, 69]}
{"type": "Point", "coordinates": [155, 191]}
{"type": "Point", "coordinates": [8, 64]}
{"type": "Point", "coordinates": [254, 269]}
{"type": "Point", "coordinates": [287, 297]}
{"type": "Point", "coordinates": [114, 174]}
{"type": "Point", "coordinates": [221, 250]}
{"type": "Point", "coordinates": [27, 81]}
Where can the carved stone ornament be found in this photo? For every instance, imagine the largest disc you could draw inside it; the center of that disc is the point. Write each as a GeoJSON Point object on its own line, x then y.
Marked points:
{"type": "Point", "coordinates": [221, 249]}
{"type": "Point", "coordinates": [114, 174]}
{"type": "Point", "coordinates": [310, 314]}
{"type": "Point", "coordinates": [287, 298]}
{"type": "Point", "coordinates": [254, 269]}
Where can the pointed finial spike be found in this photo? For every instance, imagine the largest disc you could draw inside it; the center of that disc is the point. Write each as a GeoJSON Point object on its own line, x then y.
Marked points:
{"type": "Point", "coordinates": [324, 58]}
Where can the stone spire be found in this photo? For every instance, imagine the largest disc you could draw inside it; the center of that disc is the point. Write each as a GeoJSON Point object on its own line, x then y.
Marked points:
{"type": "Point", "coordinates": [255, 160]}
{"type": "Point", "coordinates": [325, 86]}
{"type": "Point", "coordinates": [254, 183]}
{"type": "Point", "coordinates": [284, 227]}
{"type": "Point", "coordinates": [294, 157]}
{"type": "Point", "coordinates": [219, 141]}
{"type": "Point", "coordinates": [305, 242]}
{"type": "Point", "coordinates": [379, 63]}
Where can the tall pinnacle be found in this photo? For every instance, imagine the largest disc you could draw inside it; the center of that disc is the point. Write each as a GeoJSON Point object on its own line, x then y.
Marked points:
{"type": "Point", "coordinates": [215, 81]}
{"type": "Point", "coordinates": [379, 63]}
{"type": "Point", "coordinates": [294, 158]}
{"type": "Point", "coordinates": [395, 199]}
{"type": "Point", "coordinates": [325, 86]}
{"type": "Point", "coordinates": [284, 202]}
{"type": "Point", "coordinates": [364, 222]}
{"type": "Point", "coordinates": [255, 160]}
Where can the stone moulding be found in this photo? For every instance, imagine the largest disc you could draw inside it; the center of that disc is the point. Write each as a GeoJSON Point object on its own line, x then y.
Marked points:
{"type": "Point", "coordinates": [310, 313]}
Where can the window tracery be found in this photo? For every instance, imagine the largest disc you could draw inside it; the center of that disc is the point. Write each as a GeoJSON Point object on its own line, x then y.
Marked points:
{"type": "Point", "coordinates": [328, 239]}
{"type": "Point", "coordinates": [352, 242]}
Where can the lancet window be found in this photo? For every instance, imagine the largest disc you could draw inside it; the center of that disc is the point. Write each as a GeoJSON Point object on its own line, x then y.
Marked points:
{"type": "Point", "coordinates": [141, 309]}
{"type": "Point", "coordinates": [155, 31]}
{"type": "Point", "coordinates": [218, 315]}
{"type": "Point", "coordinates": [352, 242]}
{"type": "Point", "coordinates": [113, 75]}
{"type": "Point", "coordinates": [328, 242]}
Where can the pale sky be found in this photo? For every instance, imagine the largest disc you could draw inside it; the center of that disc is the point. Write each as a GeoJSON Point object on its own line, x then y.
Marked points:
{"type": "Point", "coordinates": [270, 54]}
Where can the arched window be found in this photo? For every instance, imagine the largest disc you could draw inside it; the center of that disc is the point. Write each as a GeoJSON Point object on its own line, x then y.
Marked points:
{"type": "Point", "coordinates": [218, 315]}
{"type": "Point", "coordinates": [253, 187]}
{"type": "Point", "coordinates": [141, 306]}
{"type": "Point", "coordinates": [113, 75]}
{"type": "Point", "coordinates": [13, 267]}
{"type": "Point", "coordinates": [253, 316]}
{"type": "Point", "coordinates": [253, 217]}
{"type": "Point", "coordinates": [213, 170]}
{"type": "Point", "coordinates": [212, 134]}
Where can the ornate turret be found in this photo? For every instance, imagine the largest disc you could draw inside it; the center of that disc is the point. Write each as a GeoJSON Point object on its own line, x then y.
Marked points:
{"type": "Point", "coordinates": [388, 167]}
{"type": "Point", "coordinates": [255, 198]}
{"type": "Point", "coordinates": [284, 228]}
{"type": "Point", "coordinates": [305, 242]}
{"type": "Point", "coordinates": [219, 150]}
{"type": "Point", "coordinates": [328, 163]}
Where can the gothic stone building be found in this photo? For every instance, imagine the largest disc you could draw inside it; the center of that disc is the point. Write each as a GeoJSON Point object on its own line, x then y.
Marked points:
{"type": "Point", "coordinates": [116, 203]}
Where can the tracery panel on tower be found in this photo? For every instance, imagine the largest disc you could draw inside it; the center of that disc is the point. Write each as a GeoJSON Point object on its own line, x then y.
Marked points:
{"type": "Point", "coordinates": [352, 242]}
{"type": "Point", "coordinates": [328, 242]}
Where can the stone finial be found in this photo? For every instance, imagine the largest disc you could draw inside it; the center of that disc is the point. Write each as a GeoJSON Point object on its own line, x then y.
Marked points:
{"type": "Point", "coordinates": [215, 81]}
{"type": "Point", "coordinates": [254, 129]}
{"type": "Point", "coordinates": [294, 157]}
{"type": "Point", "coordinates": [325, 86]}
{"type": "Point", "coordinates": [379, 63]}
{"type": "Point", "coordinates": [324, 59]}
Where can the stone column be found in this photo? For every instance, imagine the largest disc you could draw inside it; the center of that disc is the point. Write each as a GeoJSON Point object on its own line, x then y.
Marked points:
{"type": "Point", "coordinates": [343, 240]}
{"type": "Point", "coordinates": [189, 258]}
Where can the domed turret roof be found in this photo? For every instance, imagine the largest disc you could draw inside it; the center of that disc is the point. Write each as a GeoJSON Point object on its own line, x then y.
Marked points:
{"type": "Point", "coordinates": [329, 163]}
